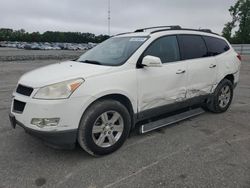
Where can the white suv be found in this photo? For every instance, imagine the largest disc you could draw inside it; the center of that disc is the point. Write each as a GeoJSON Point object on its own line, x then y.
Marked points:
{"type": "Point", "coordinates": [147, 79]}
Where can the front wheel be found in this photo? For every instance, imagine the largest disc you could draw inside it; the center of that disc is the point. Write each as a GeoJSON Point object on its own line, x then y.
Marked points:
{"type": "Point", "coordinates": [104, 127]}
{"type": "Point", "coordinates": [222, 97]}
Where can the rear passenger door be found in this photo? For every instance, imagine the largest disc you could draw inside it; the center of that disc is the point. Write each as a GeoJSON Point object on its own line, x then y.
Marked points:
{"type": "Point", "coordinates": [201, 68]}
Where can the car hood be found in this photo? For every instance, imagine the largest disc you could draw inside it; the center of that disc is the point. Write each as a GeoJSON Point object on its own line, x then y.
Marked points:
{"type": "Point", "coordinates": [60, 72]}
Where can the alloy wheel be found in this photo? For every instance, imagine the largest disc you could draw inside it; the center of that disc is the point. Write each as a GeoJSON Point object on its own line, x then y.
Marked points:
{"type": "Point", "coordinates": [107, 129]}
{"type": "Point", "coordinates": [225, 96]}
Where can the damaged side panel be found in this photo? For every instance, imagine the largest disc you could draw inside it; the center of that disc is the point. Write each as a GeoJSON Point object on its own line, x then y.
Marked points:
{"type": "Point", "coordinates": [159, 86]}
{"type": "Point", "coordinates": [202, 76]}
{"type": "Point", "coordinates": [152, 100]}
{"type": "Point", "coordinates": [205, 90]}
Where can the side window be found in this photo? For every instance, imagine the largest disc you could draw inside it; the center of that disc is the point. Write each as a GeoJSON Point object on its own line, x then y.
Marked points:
{"type": "Point", "coordinates": [166, 48]}
{"type": "Point", "coordinates": [215, 46]}
{"type": "Point", "coordinates": [192, 46]}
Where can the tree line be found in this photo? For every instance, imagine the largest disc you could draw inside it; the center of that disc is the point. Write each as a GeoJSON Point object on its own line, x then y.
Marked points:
{"type": "Point", "coordinates": [50, 36]}
{"type": "Point", "coordinates": [238, 29]}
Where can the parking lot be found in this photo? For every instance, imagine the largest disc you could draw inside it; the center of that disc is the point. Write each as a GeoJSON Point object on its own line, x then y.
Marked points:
{"type": "Point", "coordinates": [210, 150]}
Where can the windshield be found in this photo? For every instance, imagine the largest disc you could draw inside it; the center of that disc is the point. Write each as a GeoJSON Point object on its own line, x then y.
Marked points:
{"type": "Point", "coordinates": [113, 52]}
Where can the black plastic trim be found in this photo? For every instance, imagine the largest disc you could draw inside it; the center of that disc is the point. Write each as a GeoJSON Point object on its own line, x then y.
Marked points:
{"type": "Point", "coordinates": [18, 106]}
{"type": "Point", "coordinates": [57, 139]}
{"type": "Point", "coordinates": [24, 90]}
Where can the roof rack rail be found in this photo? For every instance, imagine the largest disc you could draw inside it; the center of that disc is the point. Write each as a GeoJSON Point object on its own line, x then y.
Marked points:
{"type": "Point", "coordinates": [158, 27]}
{"type": "Point", "coordinates": [187, 29]}
{"type": "Point", "coordinates": [168, 28]}
{"type": "Point", "coordinates": [206, 30]}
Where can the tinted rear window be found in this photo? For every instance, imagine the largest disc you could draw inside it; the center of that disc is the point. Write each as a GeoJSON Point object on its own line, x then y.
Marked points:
{"type": "Point", "coordinates": [215, 46]}
{"type": "Point", "coordinates": [192, 46]}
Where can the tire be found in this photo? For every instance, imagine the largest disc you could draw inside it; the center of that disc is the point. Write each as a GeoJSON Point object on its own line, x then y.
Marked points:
{"type": "Point", "coordinates": [223, 92]}
{"type": "Point", "coordinates": [104, 127]}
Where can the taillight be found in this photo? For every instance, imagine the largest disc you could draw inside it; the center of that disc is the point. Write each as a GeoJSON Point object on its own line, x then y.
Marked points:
{"type": "Point", "coordinates": [239, 57]}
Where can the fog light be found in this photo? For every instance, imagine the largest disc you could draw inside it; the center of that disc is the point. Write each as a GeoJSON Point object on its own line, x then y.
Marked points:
{"type": "Point", "coordinates": [43, 122]}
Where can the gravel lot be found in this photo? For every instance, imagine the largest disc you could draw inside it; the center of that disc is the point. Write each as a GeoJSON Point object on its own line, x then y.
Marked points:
{"type": "Point", "coordinates": [206, 151]}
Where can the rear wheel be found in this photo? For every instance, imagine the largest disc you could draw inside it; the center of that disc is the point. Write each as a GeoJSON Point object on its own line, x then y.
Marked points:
{"type": "Point", "coordinates": [222, 97]}
{"type": "Point", "coordinates": [104, 127]}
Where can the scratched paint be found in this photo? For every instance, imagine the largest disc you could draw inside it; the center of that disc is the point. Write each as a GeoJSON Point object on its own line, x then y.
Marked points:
{"type": "Point", "coordinates": [155, 100]}
{"type": "Point", "coordinates": [199, 92]}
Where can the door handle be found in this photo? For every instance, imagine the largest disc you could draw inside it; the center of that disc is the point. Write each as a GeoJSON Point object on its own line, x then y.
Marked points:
{"type": "Point", "coordinates": [180, 72]}
{"type": "Point", "coordinates": [212, 66]}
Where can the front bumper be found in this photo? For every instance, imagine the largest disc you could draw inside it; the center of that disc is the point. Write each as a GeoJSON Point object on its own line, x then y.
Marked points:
{"type": "Point", "coordinates": [65, 139]}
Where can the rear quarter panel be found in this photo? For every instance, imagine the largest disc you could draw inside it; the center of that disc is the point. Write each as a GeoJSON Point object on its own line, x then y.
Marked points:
{"type": "Point", "coordinates": [228, 63]}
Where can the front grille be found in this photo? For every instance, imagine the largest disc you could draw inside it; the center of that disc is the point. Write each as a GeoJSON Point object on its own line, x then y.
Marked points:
{"type": "Point", "coordinates": [18, 106]}
{"type": "Point", "coordinates": [24, 90]}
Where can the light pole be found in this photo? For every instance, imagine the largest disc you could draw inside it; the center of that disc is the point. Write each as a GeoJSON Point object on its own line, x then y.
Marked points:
{"type": "Point", "coordinates": [109, 18]}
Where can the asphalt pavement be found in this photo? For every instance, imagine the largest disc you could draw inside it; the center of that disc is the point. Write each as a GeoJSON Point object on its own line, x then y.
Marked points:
{"type": "Point", "coordinates": [210, 150]}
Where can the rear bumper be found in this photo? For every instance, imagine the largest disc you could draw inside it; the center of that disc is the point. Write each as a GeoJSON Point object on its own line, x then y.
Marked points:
{"type": "Point", "coordinates": [65, 139]}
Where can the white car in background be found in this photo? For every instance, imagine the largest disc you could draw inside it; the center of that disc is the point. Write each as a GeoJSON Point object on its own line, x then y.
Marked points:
{"type": "Point", "coordinates": [147, 79]}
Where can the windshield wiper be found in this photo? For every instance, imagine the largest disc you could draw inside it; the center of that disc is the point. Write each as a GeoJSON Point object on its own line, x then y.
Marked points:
{"type": "Point", "coordinates": [91, 62]}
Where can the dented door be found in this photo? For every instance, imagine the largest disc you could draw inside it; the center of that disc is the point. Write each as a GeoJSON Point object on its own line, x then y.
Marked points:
{"type": "Point", "coordinates": [202, 76]}
{"type": "Point", "coordinates": [202, 69]}
{"type": "Point", "coordinates": [159, 86]}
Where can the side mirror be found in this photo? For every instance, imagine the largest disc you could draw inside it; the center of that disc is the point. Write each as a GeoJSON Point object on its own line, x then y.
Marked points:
{"type": "Point", "coordinates": [151, 61]}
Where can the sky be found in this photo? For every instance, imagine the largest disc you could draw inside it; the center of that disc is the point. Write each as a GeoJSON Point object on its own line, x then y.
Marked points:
{"type": "Point", "coordinates": [126, 15]}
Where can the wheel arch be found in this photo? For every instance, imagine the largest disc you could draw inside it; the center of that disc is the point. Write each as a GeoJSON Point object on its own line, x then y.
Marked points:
{"type": "Point", "coordinates": [123, 99]}
{"type": "Point", "coordinates": [230, 77]}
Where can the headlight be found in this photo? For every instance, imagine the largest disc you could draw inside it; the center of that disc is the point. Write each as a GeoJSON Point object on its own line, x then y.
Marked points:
{"type": "Point", "coordinates": [60, 90]}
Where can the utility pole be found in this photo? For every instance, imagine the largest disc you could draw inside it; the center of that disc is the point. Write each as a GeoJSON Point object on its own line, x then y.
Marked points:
{"type": "Point", "coordinates": [109, 18]}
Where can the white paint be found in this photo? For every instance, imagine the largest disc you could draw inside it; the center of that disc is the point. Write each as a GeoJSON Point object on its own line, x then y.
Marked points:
{"type": "Point", "coordinates": [146, 88]}
{"type": "Point", "coordinates": [151, 61]}
{"type": "Point", "coordinates": [161, 85]}
{"type": "Point", "coordinates": [201, 77]}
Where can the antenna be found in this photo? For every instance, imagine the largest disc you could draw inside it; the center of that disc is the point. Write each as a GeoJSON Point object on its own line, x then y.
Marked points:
{"type": "Point", "coordinates": [109, 18]}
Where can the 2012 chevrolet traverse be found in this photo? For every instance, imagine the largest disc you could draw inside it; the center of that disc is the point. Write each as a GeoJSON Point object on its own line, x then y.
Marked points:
{"type": "Point", "coordinates": [130, 78]}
